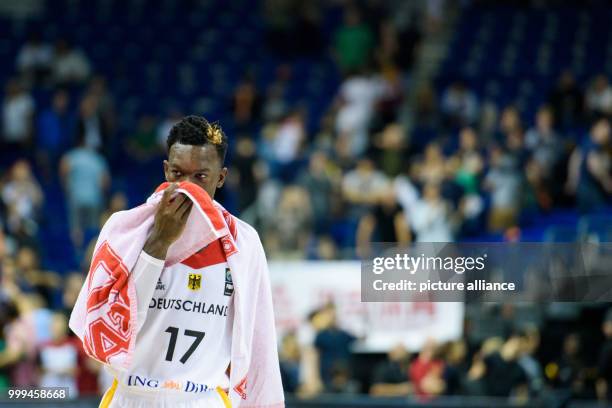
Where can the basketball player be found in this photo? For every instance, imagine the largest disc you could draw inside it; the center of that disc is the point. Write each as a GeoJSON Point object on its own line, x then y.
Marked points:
{"type": "Point", "coordinates": [185, 311]}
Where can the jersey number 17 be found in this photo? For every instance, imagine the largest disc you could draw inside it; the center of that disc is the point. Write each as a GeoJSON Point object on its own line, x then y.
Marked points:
{"type": "Point", "coordinates": [174, 331]}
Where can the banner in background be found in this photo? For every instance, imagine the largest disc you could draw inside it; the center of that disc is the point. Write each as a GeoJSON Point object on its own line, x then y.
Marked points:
{"type": "Point", "coordinates": [300, 287]}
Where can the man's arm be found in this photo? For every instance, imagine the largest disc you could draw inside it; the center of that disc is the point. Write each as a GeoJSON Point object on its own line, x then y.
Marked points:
{"type": "Point", "coordinates": [170, 220]}
{"type": "Point", "coordinates": [145, 274]}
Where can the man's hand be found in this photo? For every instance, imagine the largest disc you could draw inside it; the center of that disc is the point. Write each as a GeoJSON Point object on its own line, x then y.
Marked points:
{"type": "Point", "coordinates": [170, 220]}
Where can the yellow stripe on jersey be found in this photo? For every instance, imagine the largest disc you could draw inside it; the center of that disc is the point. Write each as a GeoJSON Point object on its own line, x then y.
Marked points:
{"type": "Point", "coordinates": [109, 394]}
{"type": "Point", "coordinates": [224, 397]}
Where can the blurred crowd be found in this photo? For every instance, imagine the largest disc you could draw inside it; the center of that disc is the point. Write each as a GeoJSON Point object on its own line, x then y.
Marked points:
{"type": "Point", "coordinates": [461, 168]}
{"type": "Point", "coordinates": [517, 361]}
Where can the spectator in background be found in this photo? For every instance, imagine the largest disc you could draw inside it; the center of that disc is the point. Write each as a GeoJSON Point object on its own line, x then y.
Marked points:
{"type": "Point", "coordinates": [487, 124]}
{"type": "Point", "coordinates": [509, 121]}
{"type": "Point", "coordinates": [386, 222]}
{"type": "Point", "coordinates": [568, 371]}
{"type": "Point", "coordinates": [467, 162]}
{"type": "Point", "coordinates": [496, 366]}
{"type": "Point", "coordinates": [265, 206]}
{"type": "Point", "coordinates": [504, 376]}
{"type": "Point", "coordinates": [286, 145]}
{"type": "Point", "coordinates": [426, 371]}
{"type": "Point", "coordinates": [515, 147]}
{"type": "Point", "coordinates": [455, 367]}
{"type": "Point", "coordinates": [44, 283]}
{"type": "Point", "coordinates": [245, 172]}
{"type": "Point", "coordinates": [511, 134]}
{"type": "Point", "coordinates": [293, 221]}
{"type": "Point", "coordinates": [363, 186]}
{"type": "Point", "coordinates": [474, 384]}
{"type": "Point", "coordinates": [22, 335]}
{"type": "Point", "coordinates": [530, 342]}
{"type": "Point", "coordinates": [59, 357]}
{"type": "Point", "coordinates": [390, 378]}
{"type": "Point", "coordinates": [55, 127]}
{"type": "Point", "coordinates": [431, 216]}
{"type": "Point", "coordinates": [90, 125]}
{"type": "Point", "coordinates": [12, 283]}
{"type": "Point", "coordinates": [105, 108]}
{"type": "Point", "coordinates": [356, 101]}
{"type": "Point", "coordinates": [289, 357]}
{"type": "Point", "coordinates": [595, 179]}
{"type": "Point", "coordinates": [333, 345]}
{"type": "Point", "coordinates": [432, 167]}
{"type": "Point", "coordinates": [342, 381]}
{"type": "Point", "coordinates": [70, 66]}
{"type": "Point", "coordinates": [503, 181]}
{"type": "Point", "coordinates": [544, 143]}
{"type": "Point", "coordinates": [599, 97]}
{"type": "Point", "coordinates": [567, 101]}
{"type": "Point", "coordinates": [311, 383]}
{"type": "Point", "coordinates": [34, 59]}
{"type": "Point", "coordinates": [23, 199]}
{"type": "Point", "coordinates": [353, 42]}
{"type": "Point", "coordinates": [85, 176]}
{"type": "Point", "coordinates": [17, 116]}
{"type": "Point", "coordinates": [390, 147]}
{"type": "Point", "coordinates": [459, 105]}
{"type": "Point", "coordinates": [546, 151]}
{"type": "Point", "coordinates": [321, 180]}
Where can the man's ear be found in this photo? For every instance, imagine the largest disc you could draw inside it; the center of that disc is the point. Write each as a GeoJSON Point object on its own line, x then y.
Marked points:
{"type": "Point", "coordinates": [222, 176]}
{"type": "Point", "coordinates": [166, 170]}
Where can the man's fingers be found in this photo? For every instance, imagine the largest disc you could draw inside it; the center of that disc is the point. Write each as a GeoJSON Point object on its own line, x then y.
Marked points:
{"type": "Point", "coordinates": [185, 209]}
{"type": "Point", "coordinates": [168, 193]}
{"type": "Point", "coordinates": [179, 200]}
{"type": "Point", "coordinates": [184, 201]}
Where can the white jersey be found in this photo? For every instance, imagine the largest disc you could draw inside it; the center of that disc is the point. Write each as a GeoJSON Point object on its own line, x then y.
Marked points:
{"type": "Point", "coordinates": [185, 315]}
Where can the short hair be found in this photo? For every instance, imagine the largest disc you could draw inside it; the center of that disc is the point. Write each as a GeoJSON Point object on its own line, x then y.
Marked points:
{"type": "Point", "coordinates": [197, 131]}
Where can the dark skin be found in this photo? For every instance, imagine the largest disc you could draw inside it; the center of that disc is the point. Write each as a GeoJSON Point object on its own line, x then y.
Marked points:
{"type": "Point", "coordinates": [202, 166]}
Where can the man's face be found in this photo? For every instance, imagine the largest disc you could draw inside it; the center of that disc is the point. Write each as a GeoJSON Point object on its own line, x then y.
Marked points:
{"type": "Point", "coordinates": [199, 164]}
